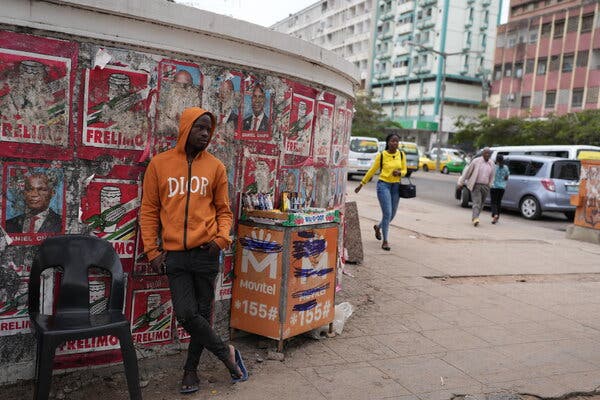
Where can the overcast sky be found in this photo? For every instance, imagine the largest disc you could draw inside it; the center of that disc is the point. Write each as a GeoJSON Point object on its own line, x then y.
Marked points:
{"type": "Point", "coordinates": [261, 12]}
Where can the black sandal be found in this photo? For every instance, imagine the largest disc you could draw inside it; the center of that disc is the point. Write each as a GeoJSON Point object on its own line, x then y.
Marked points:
{"type": "Point", "coordinates": [377, 232]}
{"type": "Point", "coordinates": [385, 247]}
{"type": "Point", "coordinates": [189, 383]}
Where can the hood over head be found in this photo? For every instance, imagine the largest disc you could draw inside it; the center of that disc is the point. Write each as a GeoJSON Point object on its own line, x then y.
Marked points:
{"type": "Point", "coordinates": [188, 117]}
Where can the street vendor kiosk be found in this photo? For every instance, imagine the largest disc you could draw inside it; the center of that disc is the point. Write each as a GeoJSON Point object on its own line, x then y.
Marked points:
{"type": "Point", "coordinates": [285, 273]}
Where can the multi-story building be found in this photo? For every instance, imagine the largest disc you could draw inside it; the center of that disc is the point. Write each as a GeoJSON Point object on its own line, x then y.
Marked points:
{"type": "Point", "coordinates": [342, 26]}
{"type": "Point", "coordinates": [388, 40]}
{"type": "Point", "coordinates": [413, 39]}
{"type": "Point", "coordinates": [547, 59]}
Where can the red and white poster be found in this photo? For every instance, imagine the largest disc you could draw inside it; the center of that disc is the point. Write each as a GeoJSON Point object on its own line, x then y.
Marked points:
{"type": "Point", "coordinates": [340, 132]}
{"type": "Point", "coordinates": [35, 203]}
{"type": "Point", "coordinates": [225, 278]}
{"type": "Point", "coordinates": [94, 350]}
{"type": "Point", "coordinates": [151, 316]}
{"type": "Point", "coordinates": [179, 87]}
{"type": "Point", "coordinates": [36, 89]}
{"type": "Point", "coordinates": [110, 207]}
{"type": "Point", "coordinates": [260, 164]}
{"type": "Point", "coordinates": [14, 314]}
{"type": "Point", "coordinates": [257, 110]}
{"type": "Point", "coordinates": [114, 113]}
{"type": "Point", "coordinates": [298, 138]}
{"type": "Point", "coordinates": [323, 133]}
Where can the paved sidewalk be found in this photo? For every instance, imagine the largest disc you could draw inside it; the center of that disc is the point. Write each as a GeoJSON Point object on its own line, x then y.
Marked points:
{"type": "Point", "coordinates": [512, 310]}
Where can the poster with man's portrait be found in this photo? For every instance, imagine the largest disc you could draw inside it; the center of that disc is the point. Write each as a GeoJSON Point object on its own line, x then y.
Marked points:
{"type": "Point", "coordinates": [340, 130]}
{"type": "Point", "coordinates": [114, 113]}
{"type": "Point", "coordinates": [258, 168]}
{"type": "Point", "coordinates": [256, 122]}
{"type": "Point", "coordinates": [229, 94]}
{"type": "Point", "coordinates": [36, 87]}
{"type": "Point", "coordinates": [35, 202]}
{"type": "Point", "coordinates": [180, 86]}
{"type": "Point", "coordinates": [298, 138]}
{"type": "Point", "coordinates": [323, 133]}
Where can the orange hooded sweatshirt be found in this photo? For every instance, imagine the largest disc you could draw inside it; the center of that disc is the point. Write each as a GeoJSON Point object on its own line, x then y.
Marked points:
{"type": "Point", "coordinates": [188, 203]}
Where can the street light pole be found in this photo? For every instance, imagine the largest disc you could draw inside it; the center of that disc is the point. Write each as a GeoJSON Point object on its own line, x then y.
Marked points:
{"type": "Point", "coordinates": [443, 55]}
{"type": "Point", "coordinates": [442, 98]}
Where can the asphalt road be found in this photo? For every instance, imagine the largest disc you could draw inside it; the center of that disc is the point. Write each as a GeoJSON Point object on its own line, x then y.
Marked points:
{"type": "Point", "coordinates": [439, 188]}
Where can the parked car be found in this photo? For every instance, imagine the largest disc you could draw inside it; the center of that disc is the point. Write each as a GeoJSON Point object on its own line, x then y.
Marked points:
{"type": "Point", "coordinates": [448, 163]}
{"type": "Point", "coordinates": [363, 151]}
{"type": "Point", "coordinates": [454, 164]}
{"type": "Point", "coordinates": [411, 151]}
{"type": "Point", "coordinates": [536, 184]}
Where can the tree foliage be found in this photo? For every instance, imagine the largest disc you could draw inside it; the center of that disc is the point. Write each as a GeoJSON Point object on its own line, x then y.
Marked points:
{"type": "Point", "coordinates": [369, 118]}
{"type": "Point", "coordinates": [574, 128]}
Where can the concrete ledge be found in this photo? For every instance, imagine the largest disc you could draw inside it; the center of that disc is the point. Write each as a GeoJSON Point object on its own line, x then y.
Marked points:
{"type": "Point", "coordinates": [583, 234]}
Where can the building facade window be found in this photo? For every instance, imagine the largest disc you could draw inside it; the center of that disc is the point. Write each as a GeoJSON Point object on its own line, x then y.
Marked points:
{"type": "Point", "coordinates": [554, 63]}
{"type": "Point", "coordinates": [529, 65]}
{"type": "Point", "coordinates": [508, 70]}
{"type": "Point", "coordinates": [519, 70]}
{"type": "Point", "coordinates": [577, 99]}
{"type": "Point", "coordinates": [559, 27]}
{"type": "Point", "coordinates": [572, 23]}
{"type": "Point", "coordinates": [546, 29]}
{"type": "Point", "coordinates": [525, 101]}
{"type": "Point", "coordinates": [550, 99]}
{"type": "Point", "coordinates": [533, 35]}
{"type": "Point", "coordinates": [582, 58]}
{"type": "Point", "coordinates": [567, 64]}
{"type": "Point", "coordinates": [497, 72]}
{"type": "Point", "coordinates": [587, 22]}
{"type": "Point", "coordinates": [541, 67]}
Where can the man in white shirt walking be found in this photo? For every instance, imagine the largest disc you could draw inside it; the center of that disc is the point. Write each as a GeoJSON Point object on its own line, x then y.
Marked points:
{"type": "Point", "coordinates": [479, 178]}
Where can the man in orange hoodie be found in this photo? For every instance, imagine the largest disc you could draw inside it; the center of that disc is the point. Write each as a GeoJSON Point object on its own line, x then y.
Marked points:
{"type": "Point", "coordinates": [185, 199]}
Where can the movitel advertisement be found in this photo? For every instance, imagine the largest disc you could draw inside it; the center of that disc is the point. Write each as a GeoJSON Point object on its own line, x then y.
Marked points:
{"type": "Point", "coordinates": [257, 284]}
{"type": "Point", "coordinates": [311, 280]}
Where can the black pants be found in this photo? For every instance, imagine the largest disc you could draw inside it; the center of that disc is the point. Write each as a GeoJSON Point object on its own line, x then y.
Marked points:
{"type": "Point", "coordinates": [496, 195]}
{"type": "Point", "coordinates": [192, 276]}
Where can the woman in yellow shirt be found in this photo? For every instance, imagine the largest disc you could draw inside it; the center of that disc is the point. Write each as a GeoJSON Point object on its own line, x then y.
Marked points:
{"type": "Point", "coordinates": [393, 168]}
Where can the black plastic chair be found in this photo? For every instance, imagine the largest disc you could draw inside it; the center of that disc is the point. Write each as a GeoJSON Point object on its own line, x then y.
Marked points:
{"type": "Point", "coordinates": [72, 320]}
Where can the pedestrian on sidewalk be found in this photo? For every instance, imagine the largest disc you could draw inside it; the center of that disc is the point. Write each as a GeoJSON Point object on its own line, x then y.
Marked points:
{"type": "Point", "coordinates": [185, 199]}
{"type": "Point", "coordinates": [392, 166]}
{"type": "Point", "coordinates": [498, 187]}
{"type": "Point", "coordinates": [479, 177]}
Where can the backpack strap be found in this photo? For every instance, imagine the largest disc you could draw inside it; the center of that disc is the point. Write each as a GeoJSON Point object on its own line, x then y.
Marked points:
{"type": "Point", "coordinates": [380, 161]}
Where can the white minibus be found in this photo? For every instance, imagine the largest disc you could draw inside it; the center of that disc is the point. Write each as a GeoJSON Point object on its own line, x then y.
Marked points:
{"type": "Point", "coordinates": [559, 150]}
{"type": "Point", "coordinates": [363, 150]}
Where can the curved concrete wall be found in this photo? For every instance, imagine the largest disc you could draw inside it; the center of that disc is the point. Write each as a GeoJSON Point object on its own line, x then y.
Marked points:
{"type": "Point", "coordinates": [91, 90]}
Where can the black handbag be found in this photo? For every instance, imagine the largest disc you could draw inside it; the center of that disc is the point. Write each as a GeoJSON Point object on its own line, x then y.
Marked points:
{"type": "Point", "coordinates": [408, 190]}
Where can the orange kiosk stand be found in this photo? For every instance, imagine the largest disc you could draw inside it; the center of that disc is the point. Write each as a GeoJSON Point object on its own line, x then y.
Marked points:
{"type": "Point", "coordinates": [284, 279]}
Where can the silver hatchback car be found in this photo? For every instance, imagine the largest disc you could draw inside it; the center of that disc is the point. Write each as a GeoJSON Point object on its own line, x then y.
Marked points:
{"type": "Point", "coordinates": [537, 184]}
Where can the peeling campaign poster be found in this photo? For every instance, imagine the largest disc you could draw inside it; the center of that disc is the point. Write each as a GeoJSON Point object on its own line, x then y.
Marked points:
{"type": "Point", "coordinates": [179, 87]}
{"type": "Point", "coordinates": [36, 87]}
{"type": "Point", "coordinates": [14, 314]}
{"type": "Point", "coordinates": [298, 138]}
{"type": "Point", "coordinates": [110, 208]}
{"type": "Point", "coordinates": [35, 202]}
{"type": "Point", "coordinates": [114, 113]}
{"type": "Point", "coordinates": [151, 316]}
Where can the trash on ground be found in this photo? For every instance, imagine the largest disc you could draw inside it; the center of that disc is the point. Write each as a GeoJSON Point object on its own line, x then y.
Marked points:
{"type": "Point", "coordinates": [343, 311]}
